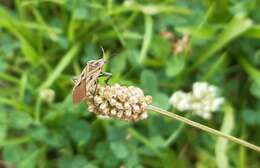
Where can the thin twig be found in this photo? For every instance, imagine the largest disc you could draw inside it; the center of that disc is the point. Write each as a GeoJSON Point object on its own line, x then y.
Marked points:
{"type": "Point", "coordinates": [204, 128]}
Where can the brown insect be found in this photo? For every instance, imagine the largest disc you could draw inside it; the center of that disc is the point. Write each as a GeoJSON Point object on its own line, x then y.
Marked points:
{"type": "Point", "coordinates": [88, 80]}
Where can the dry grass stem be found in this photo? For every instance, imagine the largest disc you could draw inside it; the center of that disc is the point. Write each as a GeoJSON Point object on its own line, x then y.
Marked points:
{"type": "Point", "coordinates": [204, 128]}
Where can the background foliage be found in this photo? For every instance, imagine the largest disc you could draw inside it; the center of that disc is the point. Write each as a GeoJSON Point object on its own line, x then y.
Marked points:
{"type": "Point", "coordinates": [43, 43]}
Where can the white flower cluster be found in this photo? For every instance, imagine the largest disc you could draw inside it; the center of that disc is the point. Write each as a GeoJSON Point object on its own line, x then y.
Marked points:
{"type": "Point", "coordinates": [202, 100]}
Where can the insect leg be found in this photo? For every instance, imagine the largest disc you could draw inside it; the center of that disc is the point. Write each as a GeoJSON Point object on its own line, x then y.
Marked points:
{"type": "Point", "coordinates": [75, 79]}
{"type": "Point", "coordinates": [107, 75]}
{"type": "Point", "coordinates": [96, 85]}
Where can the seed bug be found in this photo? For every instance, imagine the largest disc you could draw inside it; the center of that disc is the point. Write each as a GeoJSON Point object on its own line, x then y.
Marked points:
{"type": "Point", "coordinates": [88, 79]}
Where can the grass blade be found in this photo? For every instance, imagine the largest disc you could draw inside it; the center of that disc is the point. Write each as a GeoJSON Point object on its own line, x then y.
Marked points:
{"type": "Point", "coordinates": [238, 25]}
{"type": "Point", "coordinates": [66, 60]}
{"type": "Point", "coordinates": [215, 67]}
{"type": "Point", "coordinates": [250, 70]}
{"type": "Point", "coordinates": [221, 145]}
{"type": "Point", "coordinates": [15, 141]}
{"type": "Point", "coordinates": [30, 160]}
{"type": "Point", "coordinates": [147, 37]}
{"type": "Point", "coordinates": [13, 25]}
{"type": "Point", "coordinates": [253, 32]}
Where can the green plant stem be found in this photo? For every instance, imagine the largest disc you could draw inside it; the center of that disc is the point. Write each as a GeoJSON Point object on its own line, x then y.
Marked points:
{"type": "Point", "coordinates": [222, 144]}
{"type": "Point", "coordinates": [175, 134]}
{"type": "Point", "coordinates": [66, 60]}
{"type": "Point", "coordinates": [147, 37]}
{"type": "Point", "coordinates": [242, 151]}
{"type": "Point", "coordinates": [204, 128]}
{"type": "Point", "coordinates": [142, 139]}
{"type": "Point", "coordinates": [18, 140]}
{"type": "Point", "coordinates": [38, 109]}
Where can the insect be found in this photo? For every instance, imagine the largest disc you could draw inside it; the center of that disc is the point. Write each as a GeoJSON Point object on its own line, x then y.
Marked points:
{"type": "Point", "coordinates": [88, 79]}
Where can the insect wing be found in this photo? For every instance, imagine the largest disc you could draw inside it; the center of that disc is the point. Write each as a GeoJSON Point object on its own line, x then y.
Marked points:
{"type": "Point", "coordinates": [79, 92]}
{"type": "Point", "coordinates": [87, 80]}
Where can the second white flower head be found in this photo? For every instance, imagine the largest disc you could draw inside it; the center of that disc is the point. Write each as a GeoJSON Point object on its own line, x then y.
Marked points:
{"type": "Point", "coordinates": [202, 100]}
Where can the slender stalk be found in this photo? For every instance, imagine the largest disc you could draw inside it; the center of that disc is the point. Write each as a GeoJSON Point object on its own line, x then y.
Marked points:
{"type": "Point", "coordinates": [176, 133]}
{"type": "Point", "coordinates": [143, 139]}
{"type": "Point", "coordinates": [38, 109]}
{"type": "Point", "coordinates": [204, 128]}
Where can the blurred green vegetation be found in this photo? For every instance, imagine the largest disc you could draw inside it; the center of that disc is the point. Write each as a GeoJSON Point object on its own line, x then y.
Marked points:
{"type": "Point", "coordinates": [160, 46]}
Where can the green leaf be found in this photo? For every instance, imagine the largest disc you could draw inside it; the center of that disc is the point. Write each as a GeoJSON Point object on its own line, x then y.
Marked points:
{"type": "Point", "coordinates": [77, 161]}
{"type": "Point", "coordinates": [3, 125]}
{"type": "Point", "coordinates": [78, 8]}
{"type": "Point", "coordinates": [132, 159]}
{"type": "Point", "coordinates": [133, 58]}
{"type": "Point", "coordinates": [80, 13]}
{"type": "Point", "coordinates": [39, 132]}
{"type": "Point", "coordinates": [2, 65]}
{"type": "Point", "coordinates": [160, 47]}
{"type": "Point", "coordinates": [168, 157]}
{"type": "Point", "coordinates": [161, 100]}
{"type": "Point", "coordinates": [238, 25]}
{"type": "Point", "coordinates": [116, 132]}
{"type": "Point", "coordinates": [30, 160]}
{"type": "Point", "coordinates": [149, 81]}
{"type": "Point", "coordinates": [21, 156]}
{"type": "Point", "coordinates": [79, 131]}
{"type": "Point", "coordinates": [119, 149]}
{"type": "Point", "coordinates": [157, 141]}
{"type": "Point", "coordinates": [251, 116]}
{"type": "Point", "coordinates": [13, 154]}
{"type": "Point", "coordinates": [51, 137]}
{"type": "Point", "coordinates": [255, 89]}
{"type": "Point", "coordinates": [90, 166]}
{"type": "Point", "coordinates": [19, 120]}
{"type": "Point", "coordinates": [205, 159]}
{"type": "Point", "coordinates": [175, 66]}
{"type": "Point", "coordinates": [118, 64]}
{"type": "Point", "coordinates": [102, 150]}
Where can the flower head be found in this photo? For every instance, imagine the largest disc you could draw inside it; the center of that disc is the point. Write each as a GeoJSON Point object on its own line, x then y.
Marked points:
{"type": "Point", "coordinates": [202, 100]}
{"type": "Point", "coordinates": [181, 100]}
{"type": "Point", "coordinates": [121, 102]}
{"type": "Point", "coordinates": [47, 95]}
